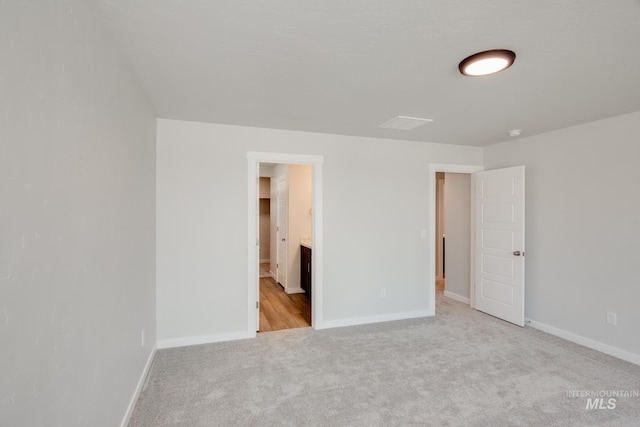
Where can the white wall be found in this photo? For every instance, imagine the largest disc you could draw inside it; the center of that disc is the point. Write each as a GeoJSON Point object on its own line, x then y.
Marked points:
{"type": "Point", "coordinates": [457, 212]}
{"type": "Point", "coordinates": [371, 219]}
{"type": "Point", "coordinates": [77, 236]}
{"type": "Point", "coordinates": [582, 227]}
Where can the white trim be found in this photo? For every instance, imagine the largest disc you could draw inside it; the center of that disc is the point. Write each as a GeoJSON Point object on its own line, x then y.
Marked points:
{"type": "Point", "coordinates": [294, 291]}
{"type": "Point", "coordinates": [457, 297]}
{"type": "Point", "coordinates": [444, 167]}
{"type": "Point", "coordinates": [587, 342]}
{"type": "Point", "coordinates": [373, 319]}
{"type": "Point", "coordinates": [253, 159]}
{"type": "Point", "coordinates": [136, 393]}
{"type": "Point", "coordinates": [202, 339]}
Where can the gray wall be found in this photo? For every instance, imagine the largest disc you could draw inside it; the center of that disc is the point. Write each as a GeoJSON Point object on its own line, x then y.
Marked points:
{"type": "Point", "coordinates": [375, 206]}
{"type": "Point", "coordinates": [582, 227]}
{"type": "Point", "coordinates": [457, 212]}
{"type": "Point", "coordinates": [77, 149]}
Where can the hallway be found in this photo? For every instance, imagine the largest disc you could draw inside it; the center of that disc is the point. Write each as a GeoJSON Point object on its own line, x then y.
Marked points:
{"type": "Point", "coordinates": [279, 310]}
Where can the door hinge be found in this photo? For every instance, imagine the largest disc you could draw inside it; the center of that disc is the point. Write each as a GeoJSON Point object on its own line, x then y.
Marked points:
{"type": "Point", "coordinates": [257, 241]}
{"type": "Point", "coordinates": [257, 305]}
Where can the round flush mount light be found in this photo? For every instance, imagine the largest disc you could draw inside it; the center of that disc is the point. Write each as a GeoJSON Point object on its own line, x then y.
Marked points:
{"type": "Point", "coordinates": [487, 62]}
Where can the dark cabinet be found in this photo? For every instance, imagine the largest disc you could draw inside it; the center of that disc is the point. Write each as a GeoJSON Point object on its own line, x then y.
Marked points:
{"type": "Point", "coordinates": [305, 270]}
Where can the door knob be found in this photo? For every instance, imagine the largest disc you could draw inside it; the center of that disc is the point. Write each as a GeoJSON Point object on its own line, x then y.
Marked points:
{"type": "Point", "coordinates": [283, 239]}
{"type": "Point", "coordinates": [516, 253]}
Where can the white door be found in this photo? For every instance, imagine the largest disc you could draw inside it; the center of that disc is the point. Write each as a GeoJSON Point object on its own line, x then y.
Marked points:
{"type": "Point", "coordinates": [281, 231]}
{"type": "Point", "coordinates": [499, 275]}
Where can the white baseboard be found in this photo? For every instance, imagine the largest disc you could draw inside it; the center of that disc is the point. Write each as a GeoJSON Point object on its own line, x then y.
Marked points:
{"type": "Point", "coordinates": [138, 390]}
{"type": "Point", "coordinates": [273, 275]}
{"type": "Point", "coordinates": [327, 324]}
{"type": "Point", "coordinates": [202, 339]}
{"type": "Point", "coordinates": [587, 342]}
{"type": "Point", "coordinates": [262, 261]}
{"type": "Point", "coordinates": [294, 291]}
{"type": "Point", "coordinates": [457, 297]}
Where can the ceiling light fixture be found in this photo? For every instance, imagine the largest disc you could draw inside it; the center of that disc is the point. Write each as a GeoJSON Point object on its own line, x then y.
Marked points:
{"type": "Point", "coordinates": [487, 62]}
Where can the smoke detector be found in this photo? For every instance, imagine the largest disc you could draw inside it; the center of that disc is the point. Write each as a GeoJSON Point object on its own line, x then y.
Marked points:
{"type": "Point", "coordinates": [404, 123]}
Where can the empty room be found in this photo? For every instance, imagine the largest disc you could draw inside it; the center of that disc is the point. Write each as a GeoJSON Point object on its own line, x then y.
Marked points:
{"type": "Point", "coordinates": [449, 189]}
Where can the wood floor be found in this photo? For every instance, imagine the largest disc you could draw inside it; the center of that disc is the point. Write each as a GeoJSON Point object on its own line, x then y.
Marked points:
{"type": "Point", "coordinates": [279, 310]}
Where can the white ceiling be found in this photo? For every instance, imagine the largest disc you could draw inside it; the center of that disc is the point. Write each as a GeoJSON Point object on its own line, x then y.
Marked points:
{"type": "Point", "coordinates": [344, 67]}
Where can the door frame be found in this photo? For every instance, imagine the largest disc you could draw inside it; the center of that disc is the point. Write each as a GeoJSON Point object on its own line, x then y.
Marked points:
{"type": "Point", "coordinates": [453, 168]}
{"type": "Point", "coordinates": [253, 267]}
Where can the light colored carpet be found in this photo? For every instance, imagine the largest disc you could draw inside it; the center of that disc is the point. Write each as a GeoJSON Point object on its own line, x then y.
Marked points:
{"type": "Point", "coordinates": [460, 368]}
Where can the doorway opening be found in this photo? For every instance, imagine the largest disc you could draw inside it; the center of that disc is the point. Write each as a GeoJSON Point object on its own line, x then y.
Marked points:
{"type": "Point", "coordinates": [285, 229]}
{"type": "Point", "coordinates": [453, 234]}
{"type": "Point", "coordinates": [497, 234]}
{"type": "Point", "coordinates": [286, 275]}
{"type": "Point", "coordinates": [451, 208]}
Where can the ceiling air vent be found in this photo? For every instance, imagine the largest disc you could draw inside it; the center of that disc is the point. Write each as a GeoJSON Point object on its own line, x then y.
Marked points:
{"type": "Point", "coordinates": [404, 123]}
